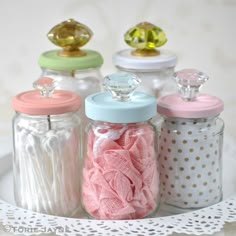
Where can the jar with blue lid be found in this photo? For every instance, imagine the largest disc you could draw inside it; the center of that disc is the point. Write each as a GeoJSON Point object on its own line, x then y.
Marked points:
{"type": "Point", "coordinates": [120, 171]}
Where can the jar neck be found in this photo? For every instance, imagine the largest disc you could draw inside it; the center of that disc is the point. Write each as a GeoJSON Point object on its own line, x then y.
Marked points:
{"type": "Point", "coordinates": [199, 120]}
{"type": "Point", "coordinates": [71, 73]}
{"type": "Point", "coordinates": [146, 71]}
{"type": "Point", "coordinates": [53, 117]}
{"type": "Point", "coordinates": [120, 124]}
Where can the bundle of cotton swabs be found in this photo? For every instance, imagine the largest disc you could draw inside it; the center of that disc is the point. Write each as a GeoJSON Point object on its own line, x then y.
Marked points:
{"type": "Point", "coordinates": [48, 174]}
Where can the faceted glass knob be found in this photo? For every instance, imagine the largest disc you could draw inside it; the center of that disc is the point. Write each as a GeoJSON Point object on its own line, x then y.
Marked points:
{"type": "Point", "coordinates": [121, 85]}
{"type": "Point", "coordinates": [189, 82]}
{"type": "Point", "coordinates": [145, 37]}
{"type": "Point", "coordinates": [70, 35]}
{"type": "Point", "coordinates": [45, 85]}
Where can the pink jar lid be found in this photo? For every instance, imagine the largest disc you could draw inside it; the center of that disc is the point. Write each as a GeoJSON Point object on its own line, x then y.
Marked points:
{"type": "Point", "coordinates": [188, 103]}
{"type": "Point", "coordinates": [46, 101]}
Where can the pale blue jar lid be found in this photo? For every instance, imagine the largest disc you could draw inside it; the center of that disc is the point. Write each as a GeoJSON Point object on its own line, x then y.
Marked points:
{"type": "Point", "coordinates": [119, 104]}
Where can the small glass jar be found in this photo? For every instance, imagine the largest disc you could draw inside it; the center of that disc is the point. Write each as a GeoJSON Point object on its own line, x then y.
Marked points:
{"type": "Point", "coordinates": [46, 134]}
{"type": "Point", "coordinates": [72, 68]}
{"type": "Point", "coordinates": [120, 172]}
{"type": "Point", "coordinates": [154, 67]}
{"type": "Point", "coordinates": [190, 144]}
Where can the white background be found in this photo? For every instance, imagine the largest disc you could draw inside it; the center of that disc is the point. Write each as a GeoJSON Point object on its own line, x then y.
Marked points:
{"type": "Point", "coordinates": [202, 33]}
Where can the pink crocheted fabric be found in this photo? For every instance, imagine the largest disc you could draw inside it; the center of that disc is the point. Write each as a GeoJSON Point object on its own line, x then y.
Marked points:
{"type": "Point", "coordinates": [120, 177]}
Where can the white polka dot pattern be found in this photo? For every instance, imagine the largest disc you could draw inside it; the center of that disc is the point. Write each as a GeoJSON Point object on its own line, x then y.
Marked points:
{"type": "Point", "coordinates": [190, 161]}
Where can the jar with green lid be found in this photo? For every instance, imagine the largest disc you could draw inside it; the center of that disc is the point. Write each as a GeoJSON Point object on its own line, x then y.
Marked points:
{"type": "Point", "coordinates": [154, 67]}
{"type": "Point", "coordinates": [72, 68]}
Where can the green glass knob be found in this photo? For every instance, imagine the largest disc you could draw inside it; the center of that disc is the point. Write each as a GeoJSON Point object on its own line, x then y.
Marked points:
{"type": "Point", "coordinates": [145, 37]}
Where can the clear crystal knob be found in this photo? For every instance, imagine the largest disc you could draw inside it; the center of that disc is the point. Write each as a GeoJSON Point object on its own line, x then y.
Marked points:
{"type": "Point", "coordinates": [45, 85]}
{"type": "Point", "coordinates": [189, 82]}
{"type": "Point", "coordinates": [121, 85]}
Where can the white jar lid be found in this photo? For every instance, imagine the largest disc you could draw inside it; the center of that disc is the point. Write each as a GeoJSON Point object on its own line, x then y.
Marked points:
{"type": "Point", "coordinates": [126, 60]}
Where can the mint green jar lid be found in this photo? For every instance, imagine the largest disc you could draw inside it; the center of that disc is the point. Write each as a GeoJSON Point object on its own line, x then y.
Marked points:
{"type": "Point", "coordinates": [120, 104]}
{"type": "Point", "coordinates": [52, 60]}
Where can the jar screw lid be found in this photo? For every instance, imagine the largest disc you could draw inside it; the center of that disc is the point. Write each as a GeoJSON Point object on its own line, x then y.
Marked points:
{"type": "Point", "coordinates": [189, 82]}
{"type": "Point", "coordinates": [121, 85]}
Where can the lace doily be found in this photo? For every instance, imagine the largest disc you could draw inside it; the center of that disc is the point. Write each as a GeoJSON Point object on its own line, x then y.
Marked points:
{"type": "Point", "coordinates": [204, 221]}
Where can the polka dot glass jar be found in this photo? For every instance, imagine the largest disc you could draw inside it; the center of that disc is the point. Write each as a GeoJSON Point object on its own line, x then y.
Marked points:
{"type": "Point", "coordinates": [190, 144]}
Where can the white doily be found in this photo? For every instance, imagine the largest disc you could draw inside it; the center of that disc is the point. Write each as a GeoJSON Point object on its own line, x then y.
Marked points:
{"type": "Point", "coordinates": [204, 221]}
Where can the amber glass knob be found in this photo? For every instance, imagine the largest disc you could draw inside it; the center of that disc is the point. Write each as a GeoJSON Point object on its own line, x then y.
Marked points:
{"type": "Point", "coordinates": [70, 35]}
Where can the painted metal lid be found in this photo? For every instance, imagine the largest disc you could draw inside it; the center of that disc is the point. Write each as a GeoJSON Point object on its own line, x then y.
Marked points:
{"type": "Point", "coordinates": [45, 101]}
{"type": "Point", "coordinates": [188, 103]}
{"type": "Point", "coordinates": [70, 35]}
{"type": "Point", "coordinates": [52, 60]}
{"type": "Point", "coordinates": [145, 38]}
{"type": "Point", "coordinates": [120, 104]}
{"type": "Point", "coordinates": [125, 59]}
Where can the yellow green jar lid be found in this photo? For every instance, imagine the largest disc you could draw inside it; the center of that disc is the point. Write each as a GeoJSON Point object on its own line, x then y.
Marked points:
{"type": "Point", "coordinates": [52, 60]}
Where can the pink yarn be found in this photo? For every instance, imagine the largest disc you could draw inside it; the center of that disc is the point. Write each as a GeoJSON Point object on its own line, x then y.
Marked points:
{"type": "Point", "coordinates": [120, 177]}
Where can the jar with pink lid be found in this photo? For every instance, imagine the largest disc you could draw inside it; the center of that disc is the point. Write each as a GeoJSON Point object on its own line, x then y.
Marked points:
{"type": "Point", "coordinates": [190, 144]}
{"type": "Point", "coordinates": [120, 172]}
{"type": "Point", "coordinates": [46, 136]}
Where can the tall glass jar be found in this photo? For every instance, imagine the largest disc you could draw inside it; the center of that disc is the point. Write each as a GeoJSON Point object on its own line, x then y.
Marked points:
{"type": "Point", "coordinates": [154, 67]}
{"type": "Point", "coordinates": [120, 171]}
{"type": "Point", "coordinates": [190, 144]}
{"type": "Point", "coordinates": [72, 68]}
{"type": "Point", "coordinates": [46, 135]}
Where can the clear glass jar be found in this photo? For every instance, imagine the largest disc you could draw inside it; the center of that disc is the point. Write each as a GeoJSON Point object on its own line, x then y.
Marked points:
{"type": "Point", "coordinates": [191, 161]}
{"type": "Point", "coordinates": [120, 171]}
{"type": "Point", "coordinates": [83, 82]}
{"type": "Point", "coordinates": [155, 82]}
{"type": "Point", "coordinates": [71, 67]}
{"type": "Point", "coordinates": [190, 144]}
{"type": "Point", "coordinates": [46, 163]}
{"type": "Point", "coordinates": [47, 137]}
{"type": "Point", "coordinates": [153, 66]}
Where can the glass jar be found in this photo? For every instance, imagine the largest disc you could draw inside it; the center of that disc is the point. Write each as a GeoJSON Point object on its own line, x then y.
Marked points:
{"type": "Point", "coordinates": [72, 68]}
{"type": "Point", "coordinates": [46, 135]}
{"type": "Point", "coordinates": [154, 67]}
{"type": "Point", "coordinates": [120, 171]}
{"type": "Point", "coordinates": [83, 82]}
{"type": "Point", "coordinates": [190, 144]}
